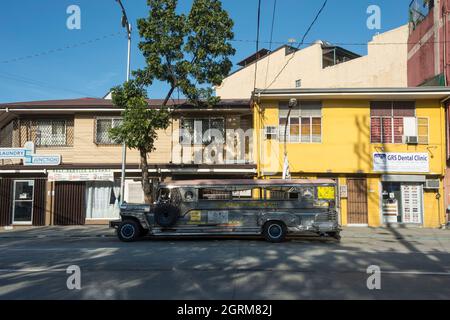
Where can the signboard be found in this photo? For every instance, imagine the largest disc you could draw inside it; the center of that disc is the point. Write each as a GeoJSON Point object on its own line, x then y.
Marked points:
{"type": "Point", "coordinates": [81, 175]}
{"type": "Point", "coordinates": [39, 160]}
{"type": "Point", "coordinates": [343, 190]}
{"type": "Point", "coordinates": [12, 153]}
{"type": "Point", "coordinates": [325, 193]}
{"type": "Point", "coordinates": [29, 157]}
{"type": "Point", "coordinates": [401, 162]}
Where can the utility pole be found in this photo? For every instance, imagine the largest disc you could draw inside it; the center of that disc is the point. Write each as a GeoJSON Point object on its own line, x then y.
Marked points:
{"type": "Point", "coordinates": [125, 24]}
{"type": "Point", "coordinates": [286, 173]}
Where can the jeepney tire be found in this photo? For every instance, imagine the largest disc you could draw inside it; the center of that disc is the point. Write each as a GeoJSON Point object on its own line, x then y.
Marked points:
{"type": "Point", "coordinates": [335, 235]}
{"type": "Point", "coordinates": [166, 215]}
{"type": "Point", "coordinates": [275, 231]}
{"type": "Point", "coordinates": [129, 231]}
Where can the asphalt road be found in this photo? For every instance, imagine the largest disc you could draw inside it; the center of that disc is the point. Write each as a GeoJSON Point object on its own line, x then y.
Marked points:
{"type": "Point", "coordinates": [412, 268]}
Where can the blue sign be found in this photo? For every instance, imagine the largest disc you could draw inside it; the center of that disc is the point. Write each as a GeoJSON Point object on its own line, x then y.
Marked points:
{"type": "Point", "coordinates": [29, 157]}
{"type": "Point", "coordinates": [38, 160]}
{"type": "Point", "coordinates": [12, 153]}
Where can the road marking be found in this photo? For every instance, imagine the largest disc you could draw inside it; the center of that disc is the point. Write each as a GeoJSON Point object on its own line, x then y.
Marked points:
{"type": "Point", "coordinates": [35, 270]}
{"type": "Point", "coordinates": [421, 273]}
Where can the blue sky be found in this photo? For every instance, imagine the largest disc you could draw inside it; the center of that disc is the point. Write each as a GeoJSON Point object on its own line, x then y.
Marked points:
{"type": "Point", "coordinates": [30, 27]}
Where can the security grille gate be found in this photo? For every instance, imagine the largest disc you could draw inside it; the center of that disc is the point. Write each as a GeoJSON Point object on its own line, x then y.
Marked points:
{"type": "Point", "coordinates": [70, 203]}
{"type": "Point", "coordinates": [412, 203]}
{"type": "Point", "coordinates": [357, 201]}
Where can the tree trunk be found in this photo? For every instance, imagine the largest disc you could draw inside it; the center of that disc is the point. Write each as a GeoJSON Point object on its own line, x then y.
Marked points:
{"type": "Point", "coordinates": [147, 185]}
{"type": "Point", "coordinates": [166, 100]}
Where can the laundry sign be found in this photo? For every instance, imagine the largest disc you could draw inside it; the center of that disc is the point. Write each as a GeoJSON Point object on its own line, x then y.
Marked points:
{"type": "Point", "coordinates": [81, 175]}
{"type": "Point", "coordinates": [401, 162]}
{"type": "Point", "coordinates": [29, 156]}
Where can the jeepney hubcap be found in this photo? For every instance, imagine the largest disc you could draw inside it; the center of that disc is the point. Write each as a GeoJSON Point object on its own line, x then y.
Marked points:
{"type": "Point", "coordinates": [275, 231]}
{"type": "Point", "coordinates": [127, 231]}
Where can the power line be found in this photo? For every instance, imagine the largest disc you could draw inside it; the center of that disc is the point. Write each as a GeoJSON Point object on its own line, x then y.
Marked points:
{"type": "Point", "coordinates": [60, 49]}
{"type": "Point", "coordinates": [301, 42]}
{"type": "Point", "coordinates": [343, 43]}
{"type": "Point", "coordinates": [38, 83]}
{"type": "Point", "coordinates": [274, 9]}
{"type": "Point", "coordinates": [257, 42]}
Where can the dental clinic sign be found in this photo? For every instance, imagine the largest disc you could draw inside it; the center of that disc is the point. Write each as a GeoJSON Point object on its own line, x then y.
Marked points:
{"type": "Point", "coordinates": [401, 162]}
{"type": "Point", "coordinates": [29, 157]}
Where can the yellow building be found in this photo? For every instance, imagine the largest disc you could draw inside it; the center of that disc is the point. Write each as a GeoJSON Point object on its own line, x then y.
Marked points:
{"type": "Point", "coordinates": [384, 147]}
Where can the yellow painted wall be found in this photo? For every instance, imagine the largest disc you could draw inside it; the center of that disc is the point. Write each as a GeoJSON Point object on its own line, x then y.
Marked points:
{"type": "Point", "coordinates": [345, 146]}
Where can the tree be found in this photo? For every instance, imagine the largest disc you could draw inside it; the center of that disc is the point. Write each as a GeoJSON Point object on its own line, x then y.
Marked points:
{"type": "Point", "coordinates": [188, 52]}
{"type": "Point", "coordinates": [139, 126]}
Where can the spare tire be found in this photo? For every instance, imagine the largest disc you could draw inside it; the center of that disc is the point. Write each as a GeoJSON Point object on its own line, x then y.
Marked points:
{"type": "Point", "coordinates": [166, 215]}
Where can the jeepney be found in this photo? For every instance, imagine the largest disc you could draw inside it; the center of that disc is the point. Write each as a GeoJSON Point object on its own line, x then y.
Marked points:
{"type": "Point", "coordinates": [273, 209]}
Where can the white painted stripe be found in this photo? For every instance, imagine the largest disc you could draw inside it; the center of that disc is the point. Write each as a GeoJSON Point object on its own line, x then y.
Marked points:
{"type": "Point", "coordinates": [419, 273]}
{"type": "Point", "coordinates": [34, 270]}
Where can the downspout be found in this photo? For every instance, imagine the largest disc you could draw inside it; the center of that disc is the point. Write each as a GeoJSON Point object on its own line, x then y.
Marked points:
{"type": "Point", "coordinates": [444, 153]}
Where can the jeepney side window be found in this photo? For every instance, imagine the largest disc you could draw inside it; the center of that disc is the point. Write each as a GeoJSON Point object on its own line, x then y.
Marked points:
{"type": "Point", "coordinates": [164, 195]}
{"type": "Point", "coordinates": [214, 194]}
{"type": "Point", "coordinates": [282, 193]}
{"type": "Point", "coordinates": [189, 195]}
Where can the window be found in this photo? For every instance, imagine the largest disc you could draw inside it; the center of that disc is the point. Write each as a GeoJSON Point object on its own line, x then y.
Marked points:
{"type": "Point", "coordinates": [214, 194]}
{"type": "Point", "coordinates": [422, 130]}
{"type": "Point", "coordinates": [270, 132]}
{"type": "Point", "coordinates": [102, 200]}
{"type": "Point", "coordinates": [102, 127]}
{"type": "Point", "coordinates": [304, 124]}
{"type": "Point", "coordinates": [51, 133]}
{"type": "Point", "coordinates": [298, 83]}
{"type": "Point", "coordinates": [391, 121]}
{"type": "Point", "coordinates": [6, 135]}
{"type": "Point", "coordinates": [203, 131]}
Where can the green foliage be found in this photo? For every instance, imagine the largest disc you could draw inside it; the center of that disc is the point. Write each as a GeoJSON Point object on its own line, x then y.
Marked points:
{"type": "Point", "coordinates": [190, 52]}
{"type": "Point", "coordinates": [140, 124]}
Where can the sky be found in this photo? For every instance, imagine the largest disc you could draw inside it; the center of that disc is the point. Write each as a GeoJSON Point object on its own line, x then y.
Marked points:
{"type": "Point", "coordinates": [41, 59]}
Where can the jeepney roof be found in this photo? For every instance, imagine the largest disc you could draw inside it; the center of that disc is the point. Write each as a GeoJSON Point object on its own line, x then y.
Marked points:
{"type": "Point", "coordinates": [245, 182]}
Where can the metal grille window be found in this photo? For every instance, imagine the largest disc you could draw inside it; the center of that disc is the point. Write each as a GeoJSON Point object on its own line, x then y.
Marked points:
{"type": "Point", "coordinates": [6, 135]}
{"type": "Point", "coordinates": [391, 121]}
{"type": "Point", "coordinates": [304, 124]}
{"type": "Point", "coordinates": [102, 127]}
{"type": "Point", "coordinates": [204, 131]}
{"type": "Point", "coordinates": [51, 133]}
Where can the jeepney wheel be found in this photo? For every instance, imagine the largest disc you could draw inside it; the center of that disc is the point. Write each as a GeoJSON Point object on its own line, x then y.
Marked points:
{"type": "Point", "coordinates": [335, 235]}
{"type": "Point", "coordinates": [275, 231]}
{"type": "Point", "coordinates": [129, 231]}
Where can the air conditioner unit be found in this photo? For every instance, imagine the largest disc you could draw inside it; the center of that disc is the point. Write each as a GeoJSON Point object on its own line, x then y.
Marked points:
{"type": "Point", "coordinates": [411, 140]}
{"type": "Point", "coordinates": [432, 184]}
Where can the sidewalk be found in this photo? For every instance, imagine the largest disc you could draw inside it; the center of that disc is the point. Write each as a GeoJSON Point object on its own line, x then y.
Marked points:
{"type": "Point", "coordinates": [92, 231]}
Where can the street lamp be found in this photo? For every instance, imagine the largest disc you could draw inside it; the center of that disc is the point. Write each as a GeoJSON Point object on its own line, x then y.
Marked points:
{"type": "Point", "coordinates": [286, 173]}
{"type": "Point", "coordinates": [125, 24]}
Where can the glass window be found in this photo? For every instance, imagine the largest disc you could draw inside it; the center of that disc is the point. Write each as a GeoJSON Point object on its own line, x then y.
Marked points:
{"type": "Point", "coordinates": [202, 131]}
{"type": "Point", "coordinates": [387, 123]}
{"type": "Point", "coordinates": [306, 130]}
{"type": "Point", "coordinates": [214, 194]}
{"type": "Point", "coordinates": [102, 130]}
{"type": "Point", "coordinates": [304, 123]}
{"type": "Point", "coordinates": [102, 200]}
{"type": "Point", "coordinates": [51, 133]}
{"type": "Point", "coordinates": [422, 130]}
